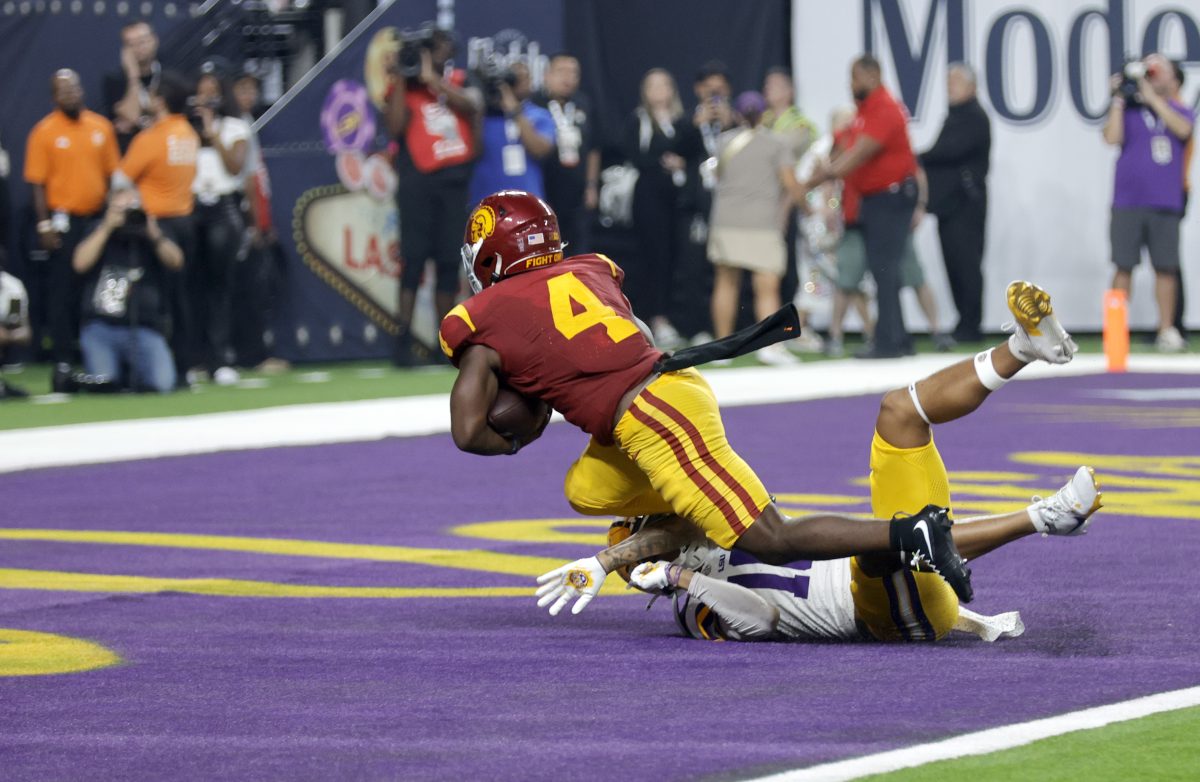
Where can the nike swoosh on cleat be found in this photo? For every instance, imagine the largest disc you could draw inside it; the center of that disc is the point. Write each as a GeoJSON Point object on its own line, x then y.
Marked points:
{"type": "Point", "coordinates": [924, 528]}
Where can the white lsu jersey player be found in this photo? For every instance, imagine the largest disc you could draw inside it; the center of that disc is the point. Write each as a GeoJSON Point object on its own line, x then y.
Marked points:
{"type": "Point", "coordinates": [813, 598]}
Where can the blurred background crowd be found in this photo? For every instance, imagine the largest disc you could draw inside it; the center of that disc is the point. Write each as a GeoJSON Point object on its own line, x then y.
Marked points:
{"type": "Point", "coordinates": [146, 256]}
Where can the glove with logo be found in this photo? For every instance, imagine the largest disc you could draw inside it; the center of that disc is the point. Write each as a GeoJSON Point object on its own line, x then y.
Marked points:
{"type": "Point", "coordinates": [579, 579]}
{"type": "Point", "coordinates": [659, 578]}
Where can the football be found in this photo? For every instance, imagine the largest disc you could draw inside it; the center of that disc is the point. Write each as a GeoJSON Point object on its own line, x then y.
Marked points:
{"type": "Point", "coordinates": [515, 415]}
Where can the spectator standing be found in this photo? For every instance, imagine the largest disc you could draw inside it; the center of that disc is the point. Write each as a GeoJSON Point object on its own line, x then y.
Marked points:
{"type": "Point", "coordinates": [881, 167]}
{"type": "Point", "coordinates": [69, 157]}
{"type": "Point", "coordinates": [161, 164]}
{"type": "Point", "coordinates": [218, 226]}
{"type": "Point", "coordinates": [1152, 129]}
{"type": "Point", "coordinates": [957, 168]}
{"type": "Point", "coordinates": [124, 261]}
{"type": "Point", "coordinates": [434, 116]}
{"type": "Point", "coordinates": [657, 139]}
{"type": "Point", "coordinates": [128, 92]}
{"type": "Point", "coordinates": [784, 118]}
{"type": "Point", "coordinates": [755, 193]}
{"type": "Point", "coordinates": [573, 175]}
{"type": "Point", "coordinates": [517, 136]}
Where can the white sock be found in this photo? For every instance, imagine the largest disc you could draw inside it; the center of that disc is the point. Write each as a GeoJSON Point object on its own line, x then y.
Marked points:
{"type": "Point", "coordinates": [987, 372]}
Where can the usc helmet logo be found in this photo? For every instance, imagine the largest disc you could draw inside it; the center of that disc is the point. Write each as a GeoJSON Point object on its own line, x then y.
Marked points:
{"type": "Point", "coordinates": [482, 223]}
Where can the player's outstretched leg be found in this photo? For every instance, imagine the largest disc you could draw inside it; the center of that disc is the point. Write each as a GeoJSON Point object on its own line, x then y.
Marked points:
{"type": "Point", "coordinates": [1066, 512]}
{"type": "Point", "coordinates": [906, 414]}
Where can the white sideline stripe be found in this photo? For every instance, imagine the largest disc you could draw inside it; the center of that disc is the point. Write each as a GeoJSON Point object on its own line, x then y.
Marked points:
{"type": "Point", "coordinates": [340, 422]}
{"type": "Point", "coordinates": [992, 739]}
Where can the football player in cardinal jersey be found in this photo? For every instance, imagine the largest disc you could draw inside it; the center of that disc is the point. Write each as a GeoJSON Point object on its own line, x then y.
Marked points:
{"type": "Point", "coordinates": [559, 329]}
{"type": "Point", "coordinates": [730, 594]}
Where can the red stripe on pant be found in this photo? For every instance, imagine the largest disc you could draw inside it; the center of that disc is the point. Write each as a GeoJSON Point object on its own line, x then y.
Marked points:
{"type": "Point", "coordinates": [705, 455]}
{"type": "Point", "coordinates": [690, 469]}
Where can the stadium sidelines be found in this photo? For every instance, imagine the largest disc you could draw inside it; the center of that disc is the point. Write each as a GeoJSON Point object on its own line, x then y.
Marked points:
{"type": "Point", "coordinates": [339, 422]}
{"type": "Point", "coordinates": [991, 740]}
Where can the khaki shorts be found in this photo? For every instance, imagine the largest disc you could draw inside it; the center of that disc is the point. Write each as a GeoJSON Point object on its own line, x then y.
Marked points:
{"type": "Point", "coordinates": [852, 262]}
{"type": "Point", "coordinates": [752, 249]}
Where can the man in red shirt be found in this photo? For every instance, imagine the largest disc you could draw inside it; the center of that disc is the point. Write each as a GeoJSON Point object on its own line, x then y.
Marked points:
{"type": "Point", "coordinates": [433, 116]}
{"type": "Point", "coordinates": [881, 167]}
{"type": "Point", "coordinates": [561, 330]}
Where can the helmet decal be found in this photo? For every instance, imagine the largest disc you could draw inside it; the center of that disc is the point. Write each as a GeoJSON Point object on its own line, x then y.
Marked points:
{"type": "Point", "coordinates": [482, 223]}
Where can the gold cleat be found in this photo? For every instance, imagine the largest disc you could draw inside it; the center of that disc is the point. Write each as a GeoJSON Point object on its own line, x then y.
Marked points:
{"type": "Point", "coordinates": [1029, 304]}
{"type": "Point", "coordinates": [1037, 334]}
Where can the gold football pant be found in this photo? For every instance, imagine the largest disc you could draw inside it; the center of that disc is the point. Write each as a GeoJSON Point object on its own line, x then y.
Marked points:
{"type": "Point", "coordinates": [670, 456]}
{"type": "Point", "coordinates": [903, 605]}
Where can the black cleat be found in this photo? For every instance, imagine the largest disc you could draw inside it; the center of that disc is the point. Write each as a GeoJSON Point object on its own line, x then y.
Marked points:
{"type": "Point", "coordinates": [926, 537]}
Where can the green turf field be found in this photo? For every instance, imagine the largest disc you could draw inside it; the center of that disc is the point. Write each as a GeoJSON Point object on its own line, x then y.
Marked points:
{"type": "Point", "coordinates": [303, 384]}
{"type": "Point", "coordinates": [1159, 747]}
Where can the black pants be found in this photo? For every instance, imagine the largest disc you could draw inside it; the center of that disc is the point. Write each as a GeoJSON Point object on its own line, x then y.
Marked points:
{"type": "Point", "coordinates": [65, 288]}
{"type": "Point", "coordinates": [433, 214]}
{"type": "Point", "coordinates": [181, 333]}
{"type": "Point", "coordinates": [791, 273]}
{"type": "Point", "coordinates": [962, 237]}
{"type": "Point", "coordinates": [655, 222]}
{"type": "Point", "coordinates": [220, 233]}
{"type": "Point", "coordinates": [885, 220]}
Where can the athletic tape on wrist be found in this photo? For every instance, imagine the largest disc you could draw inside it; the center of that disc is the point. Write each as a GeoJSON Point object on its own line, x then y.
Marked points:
{"type": "Point", "coordinates": [987, 373]}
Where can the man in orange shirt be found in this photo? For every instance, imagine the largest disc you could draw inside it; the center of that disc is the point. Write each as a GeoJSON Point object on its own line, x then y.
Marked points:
{"type": "Point", "coordinates": [69, 158]}
{"type": "Point", "coordinates": [161, 164]}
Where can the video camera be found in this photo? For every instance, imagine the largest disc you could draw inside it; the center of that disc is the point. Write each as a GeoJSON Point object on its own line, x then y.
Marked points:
{"type": "Point", "coordinates": [491, 73]}
{"type": "Point", "coordinates": [1133, 71]}
{"type": "Point", "coordinates": [412, 43]}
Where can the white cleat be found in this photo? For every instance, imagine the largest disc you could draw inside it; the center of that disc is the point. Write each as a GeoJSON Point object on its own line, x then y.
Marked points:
{"type": "Point", "coordinates": [1037, 333]}
{"type": "Point", "coordinates": [1069, 510]}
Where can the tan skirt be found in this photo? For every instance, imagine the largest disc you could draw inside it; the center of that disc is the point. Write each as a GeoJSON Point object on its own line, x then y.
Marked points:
{"type": "Point", "coordinates": [753, 249]}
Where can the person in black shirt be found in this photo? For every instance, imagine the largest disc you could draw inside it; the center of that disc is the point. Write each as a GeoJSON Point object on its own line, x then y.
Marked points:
{"type": "Point", "coordinates": [572, 176]}
{"type": "Point", "coordinates": [127, 92]}
{"type": "Point", "coordinates": [124, 262]}
{"type": "Point", "coordinates": [957, 168]}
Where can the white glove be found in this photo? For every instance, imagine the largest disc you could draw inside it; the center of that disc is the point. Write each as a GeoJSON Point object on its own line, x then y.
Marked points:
{"type": "Point", "coordinates": [655, 577]}
{"type": "Point", "coordinates": [581, 578]}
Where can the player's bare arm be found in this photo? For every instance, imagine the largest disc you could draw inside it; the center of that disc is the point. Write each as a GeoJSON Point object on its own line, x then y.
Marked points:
{"type": "Point", "coordinates": [471, 399]}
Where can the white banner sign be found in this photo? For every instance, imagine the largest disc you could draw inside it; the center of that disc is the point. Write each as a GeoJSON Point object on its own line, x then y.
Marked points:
{"type": "Point", "coordinates": [1043, 71]}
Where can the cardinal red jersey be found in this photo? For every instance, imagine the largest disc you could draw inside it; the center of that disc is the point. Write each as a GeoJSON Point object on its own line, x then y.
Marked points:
{"type": "Point", "coordinates": [565, 334]}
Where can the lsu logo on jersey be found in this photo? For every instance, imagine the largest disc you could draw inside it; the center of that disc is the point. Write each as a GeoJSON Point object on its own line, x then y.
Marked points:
{"type": "Point", "coordinates": [482, 223]}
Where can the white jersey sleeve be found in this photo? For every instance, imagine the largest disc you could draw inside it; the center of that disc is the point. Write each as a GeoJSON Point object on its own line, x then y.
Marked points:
{"type": "Point", "coordinates": [813, 598]}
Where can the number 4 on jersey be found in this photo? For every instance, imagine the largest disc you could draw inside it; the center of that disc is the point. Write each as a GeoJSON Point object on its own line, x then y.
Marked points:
{"type": "Point", "coordinates": [567, 293]}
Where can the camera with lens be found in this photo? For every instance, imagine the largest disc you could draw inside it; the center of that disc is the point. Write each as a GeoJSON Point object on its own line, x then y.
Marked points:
{"type": "Point", "coordinates": [212, 104]}
{"type": "Point", "coordinates": [412, 43]}
{"type": "Point", "coordinates": [135, 218]}
{"type": "Point", "coordinates": [491, 74]}
{"type": "Point", "coordinates": [1133, 71]}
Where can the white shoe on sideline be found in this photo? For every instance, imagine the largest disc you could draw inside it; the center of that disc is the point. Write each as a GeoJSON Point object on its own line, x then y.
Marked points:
{"type": "Point", "coordinates": [1170, 341]}
{"type": "Point", "coordinates": [226, 376]}
{"type": "Point", "coordinates": [1037, 333]}
{"type": "Point", "coordinates": [1069, 510]}
{"type": "Point", "coordinates": [809, 341]}
{"type": "Point", "coordinates": [775, 356]}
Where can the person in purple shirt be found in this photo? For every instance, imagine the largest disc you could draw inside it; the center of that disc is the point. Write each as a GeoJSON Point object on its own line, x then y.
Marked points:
{"type": "Point", "coordinates": [1152, 129]}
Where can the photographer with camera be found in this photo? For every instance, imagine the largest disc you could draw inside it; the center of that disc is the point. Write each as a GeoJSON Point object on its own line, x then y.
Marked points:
{"type": "Point", "coordinates": [1152, 129]}
{"type": "Point", "coordinates": [218, 225]}
{"type": "Point", "coordinates": [433, 115]}
{"type": "Point", "coordinates": [517, 134]}
{"type": "Point", "coordinates": [123, 263]}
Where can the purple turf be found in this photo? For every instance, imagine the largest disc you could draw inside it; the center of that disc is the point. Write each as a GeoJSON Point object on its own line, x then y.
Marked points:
{"type": "Point", "coordinates": [492, 688]}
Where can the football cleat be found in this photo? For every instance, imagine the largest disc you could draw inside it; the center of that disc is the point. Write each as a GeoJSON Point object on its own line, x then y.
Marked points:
{"type": "Point", "coordinates": [1037, 334]}
{"type": "Point", "coordinates": [926, 538]}
{"type": "Point", "coordinates": [1069, 510]}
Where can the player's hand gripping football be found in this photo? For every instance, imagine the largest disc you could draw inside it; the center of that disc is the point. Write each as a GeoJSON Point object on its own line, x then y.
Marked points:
{"type": "Point", "coordinates": [580, 579]}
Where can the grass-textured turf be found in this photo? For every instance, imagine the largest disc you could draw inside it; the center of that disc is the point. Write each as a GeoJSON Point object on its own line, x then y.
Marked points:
{"type": "Point", "coordinates": [1161, 747]}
